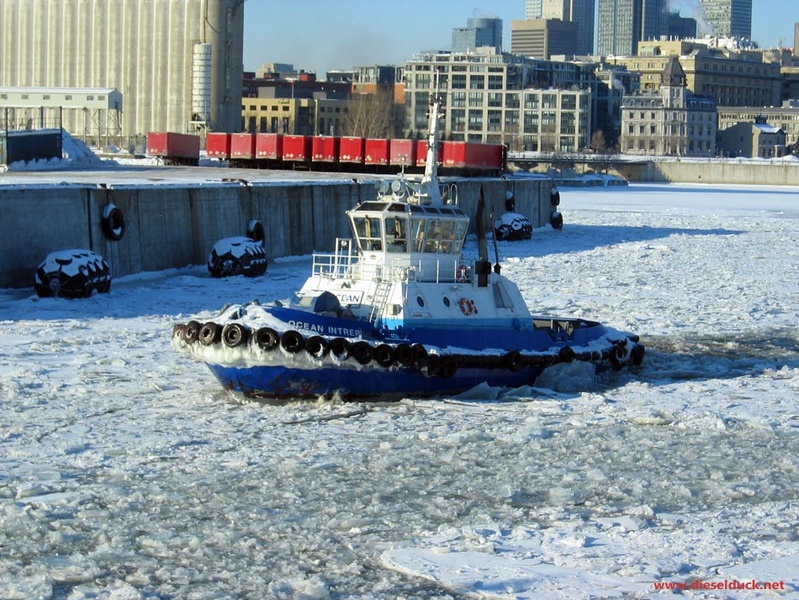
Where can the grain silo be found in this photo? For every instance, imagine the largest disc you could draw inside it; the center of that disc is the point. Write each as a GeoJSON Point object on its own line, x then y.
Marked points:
{"type": "Point", "coordinates": [177, 63]}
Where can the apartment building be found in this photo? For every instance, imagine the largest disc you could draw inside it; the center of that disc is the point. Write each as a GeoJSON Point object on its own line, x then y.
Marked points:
{"type": "Point", "coordinates": [499, 98]}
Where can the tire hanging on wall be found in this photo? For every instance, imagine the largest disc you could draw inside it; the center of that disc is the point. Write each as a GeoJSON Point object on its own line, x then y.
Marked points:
{"type": "Point", "coordinates": [256, 231]}
{"type": "Point", "coordinates": [113, 222]}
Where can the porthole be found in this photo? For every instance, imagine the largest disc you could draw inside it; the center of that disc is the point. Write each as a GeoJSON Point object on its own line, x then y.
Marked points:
{"type": "Point", "coordinates": [419, 300]}
{"type": "Point", "coordinates": [446, 301]}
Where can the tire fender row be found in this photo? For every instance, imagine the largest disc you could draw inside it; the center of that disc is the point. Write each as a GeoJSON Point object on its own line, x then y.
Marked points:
{"type": "Point", "coordinates": [404, 355]}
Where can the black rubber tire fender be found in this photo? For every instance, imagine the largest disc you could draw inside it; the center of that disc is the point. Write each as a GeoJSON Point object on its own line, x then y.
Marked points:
{"type": "Point", "coordinates": [384, 355]}
{"type": "Point", "coordinates": [192, 332]}
{"type": "Point", "coordinates": [403, 354]}
{"type": "Point", "coordinates": [267, 338]}
{"type": "Point", "coordinates": [113, 223]}
{"type": "Point", "coordinates": [292, 341]}
{"type": "Point", "coordinates": [340, 348]}
{"type": "Point", "coordinates": [210, 333]}
{"type": "Point", "coordinates": [317, 346]}
{"type": "Point", "coordinates": [235, 334]}
{"type": "Point", "coordinates": [362, 352]}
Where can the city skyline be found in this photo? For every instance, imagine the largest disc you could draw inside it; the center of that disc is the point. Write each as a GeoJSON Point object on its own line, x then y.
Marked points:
{"type": "Point", "coordinates": [319, 36]}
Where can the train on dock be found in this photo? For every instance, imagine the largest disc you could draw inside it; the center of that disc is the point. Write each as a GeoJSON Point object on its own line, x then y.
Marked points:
{"type": "Point", "coordinates": [329, 153]}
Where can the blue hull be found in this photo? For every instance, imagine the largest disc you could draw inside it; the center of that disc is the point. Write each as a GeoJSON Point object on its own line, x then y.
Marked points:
{"type": "Point", "coordinates": [286, 383]}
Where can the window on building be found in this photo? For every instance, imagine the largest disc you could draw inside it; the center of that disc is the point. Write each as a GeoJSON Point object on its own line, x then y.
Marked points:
{"type": "Point", "coordinates": [477, 82]}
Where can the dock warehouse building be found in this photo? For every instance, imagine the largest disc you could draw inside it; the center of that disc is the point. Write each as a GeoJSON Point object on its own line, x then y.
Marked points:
{"type": "Point", "coordinates": [177, 64]}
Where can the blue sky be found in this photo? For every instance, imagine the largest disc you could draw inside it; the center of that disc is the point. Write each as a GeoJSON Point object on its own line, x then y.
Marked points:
{"type": "Point", "coordinates": [319, 35]}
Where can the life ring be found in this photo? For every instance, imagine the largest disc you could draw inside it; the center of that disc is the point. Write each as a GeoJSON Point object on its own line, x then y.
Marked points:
{"type": "Point", "coordinates": [462, 274]}
{"type": "Point", "coordinates": [401, 274]}
{"type": "Point", "coordinates": [467, 307]}
{"type": "Point", "coordinates": [113, 223]}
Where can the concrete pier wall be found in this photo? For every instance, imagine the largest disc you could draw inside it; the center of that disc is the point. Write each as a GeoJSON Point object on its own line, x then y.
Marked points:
{"type": "Point", "coordinates": [176, 225]}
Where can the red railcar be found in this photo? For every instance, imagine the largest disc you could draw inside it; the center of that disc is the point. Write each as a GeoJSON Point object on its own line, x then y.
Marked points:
{"type": "Point", "coordinates": [402, 153]}
{"type": "Point", "coordinates": [421, 153]}
{"type": "Point", "coordinates": [325, 148]}
{"type": "Point", "coordinates": [351, 150]}
{"type": "Point", "coordinates": [174, 148]}
{"type": "Point", "coordinates": [217, 145]}
{"type": "Point", "coordinates": [472, 157]}
{"type": "Point", "coordinates": [269, 146]}
{"type": "Point", "coordinates": [376, 151]}
{"type": "Point", "coordinates": [242, 146]}
{"type": "Point", "coordinates": [297, 148]}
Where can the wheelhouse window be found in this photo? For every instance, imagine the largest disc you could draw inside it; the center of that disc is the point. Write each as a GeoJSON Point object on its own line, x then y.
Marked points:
{"type": "Point", "coordinates": [396, 234]}
{"type": "Point", "coordinates": [369, 233]}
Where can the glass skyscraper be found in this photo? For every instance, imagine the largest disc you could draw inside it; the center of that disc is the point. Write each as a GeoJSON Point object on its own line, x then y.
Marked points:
{"type": "Point", "coordinates": [726, 18]}
{"type": "Point", "coordinates": [624, 23]}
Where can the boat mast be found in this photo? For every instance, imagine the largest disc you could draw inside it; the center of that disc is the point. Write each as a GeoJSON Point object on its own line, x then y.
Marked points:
{"type": "Point", "coordinates": [430, 177]}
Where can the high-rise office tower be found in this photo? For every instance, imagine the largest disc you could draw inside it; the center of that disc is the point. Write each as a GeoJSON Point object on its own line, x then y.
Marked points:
{"type": "Point", "coordinates": [624, 23]}
{"type": "Point", "coordinates": [532, 9]}
{"type": "Point", "coordinates": [478, 32]}
{"type": "Point", "coordinates": [580, 12]}
{"type": "Point", "coordinates": [726, 18]}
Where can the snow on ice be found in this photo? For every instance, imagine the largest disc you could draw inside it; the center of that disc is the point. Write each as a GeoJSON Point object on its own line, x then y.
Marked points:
{"type": "Point", "coordinates": [127, 473]}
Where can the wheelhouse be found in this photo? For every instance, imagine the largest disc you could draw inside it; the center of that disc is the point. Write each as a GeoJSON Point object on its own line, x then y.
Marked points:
{"type": "Point", "coordinates": [399, 227]}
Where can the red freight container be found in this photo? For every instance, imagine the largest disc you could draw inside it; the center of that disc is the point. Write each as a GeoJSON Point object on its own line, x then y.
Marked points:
{"type": "Point", "coordinates": [297, 148]}
{"type": "Point", "coordinates": [376, 152]}
{"type": "Point", "coordinates": [173, 145]}
{"type": "Point", "coordinates": [402, 152]}
{"type": "Point", "coordinates": [217, 145]}
{"type": "Point", "coordinates": [269, 146]}
{"type": "Point", "coordinates": [469, 155]}
{"type": "Point", "coordinates": [242, 145]}
{"type": "Point", "coordinates": [324, 148]}
{"type": "Point", "coordinates": [421, 153]}
{"type": "Point", "coordinates": [351, 150]}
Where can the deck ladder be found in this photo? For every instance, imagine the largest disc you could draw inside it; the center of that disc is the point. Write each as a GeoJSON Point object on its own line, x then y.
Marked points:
{"type": "Point", "coordinates": [379, 300]}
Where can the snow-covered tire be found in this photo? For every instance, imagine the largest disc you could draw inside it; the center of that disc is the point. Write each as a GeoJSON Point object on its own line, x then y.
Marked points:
{"type": "Point", "coordinates": [237, 256]}
{"type": "Point", "coordinates": [72, 274]}
{"type": "Point", "coordinates": [513, 227]}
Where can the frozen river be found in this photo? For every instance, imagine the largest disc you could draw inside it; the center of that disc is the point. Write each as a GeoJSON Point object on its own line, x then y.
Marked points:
{"type": "Point", "coordinates": [127, 473]}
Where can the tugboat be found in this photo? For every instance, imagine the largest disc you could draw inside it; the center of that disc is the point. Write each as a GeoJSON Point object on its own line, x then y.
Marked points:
{"type": "Point", "coordinates": [398, 312]}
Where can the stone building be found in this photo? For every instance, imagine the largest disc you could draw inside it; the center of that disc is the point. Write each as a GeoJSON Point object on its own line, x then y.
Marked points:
{"type": "Point", "coordinates": [669, 122]}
